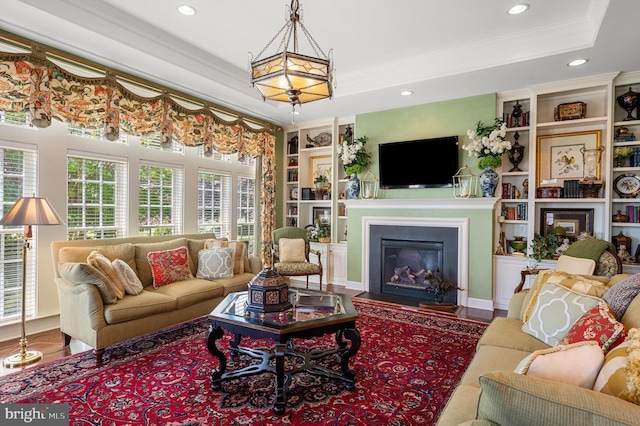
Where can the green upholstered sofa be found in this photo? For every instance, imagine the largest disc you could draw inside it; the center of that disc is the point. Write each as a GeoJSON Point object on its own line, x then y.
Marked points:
{"type": "Point", "coordinates": [84, 316]}
{"type": "Point", "coordinates": [490, 393]}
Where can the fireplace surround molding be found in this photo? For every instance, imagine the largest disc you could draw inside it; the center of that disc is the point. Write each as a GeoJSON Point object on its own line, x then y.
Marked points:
{"type": "Point", "coordinates": [461, 224]}
{"type": "Point", "coordinates": [383, 212]}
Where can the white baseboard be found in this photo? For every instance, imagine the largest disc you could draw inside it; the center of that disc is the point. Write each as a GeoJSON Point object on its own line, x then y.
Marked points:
{"type": "Point", "coordinates": [38, 325]}
{"type": "Point", "coordinates": [484, 304]}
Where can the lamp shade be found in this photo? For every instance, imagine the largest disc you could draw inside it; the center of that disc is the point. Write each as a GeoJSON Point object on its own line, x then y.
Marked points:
{"type": "Point", "coordinates": [32, 211]}
{"type": "Point", "coordinates": [294, 78]}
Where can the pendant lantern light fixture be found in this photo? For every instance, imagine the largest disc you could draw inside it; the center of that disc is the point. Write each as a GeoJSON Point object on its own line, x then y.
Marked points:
{"type": "Point", "coordinates": [288, 75]}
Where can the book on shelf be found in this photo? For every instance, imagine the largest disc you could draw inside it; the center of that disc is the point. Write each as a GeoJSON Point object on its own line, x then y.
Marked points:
{"type": "Point", "coordinates": [627, 137]}
{"type": "Point", "coordinates": [509, 191]}
{"type": "Point", "coordinates": [633, 212]}
{"type": "Point", "coordinates": [518, 212]}
{"type": "Point", "coordinates": [634, 160]}
{"type": "Point", "coordinates": [571, 188]}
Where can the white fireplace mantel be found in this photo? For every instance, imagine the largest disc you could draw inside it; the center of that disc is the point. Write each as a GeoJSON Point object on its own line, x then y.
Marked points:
{"type": "Point", "coordinates": [422, 203]}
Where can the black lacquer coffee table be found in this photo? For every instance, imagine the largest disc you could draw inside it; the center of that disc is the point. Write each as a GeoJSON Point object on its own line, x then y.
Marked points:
{"type": "Point", "coordinates": [300, 322]}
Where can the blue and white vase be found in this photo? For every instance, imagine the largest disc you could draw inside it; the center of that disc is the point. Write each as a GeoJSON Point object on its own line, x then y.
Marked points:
{"type": "Point", "coordinates": [488, 182]}
{"type": "Point", "coordinates": [353, 187]}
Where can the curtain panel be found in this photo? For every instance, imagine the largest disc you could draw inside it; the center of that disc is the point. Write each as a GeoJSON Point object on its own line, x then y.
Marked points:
{"type": "Point", "coordinates": [31, 82]}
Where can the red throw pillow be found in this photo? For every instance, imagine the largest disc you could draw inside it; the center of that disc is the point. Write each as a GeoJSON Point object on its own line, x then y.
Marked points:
{"type": "Point", "coordinates": [169, 266]}
{"type": "Point", "coordinates": [598, 324]}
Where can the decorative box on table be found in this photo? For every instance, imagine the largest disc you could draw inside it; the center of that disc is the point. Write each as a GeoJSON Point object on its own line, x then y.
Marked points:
{"type": "Point", "coordinates": [268, 292]}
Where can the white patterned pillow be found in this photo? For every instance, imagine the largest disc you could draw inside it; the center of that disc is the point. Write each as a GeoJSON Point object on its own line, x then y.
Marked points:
{"type": "Point", "coordinates": [128, 277]}
{"type": "Point", "coordinates": [215, 263]}
{"type": "Point", "coordinates": [556, 311]}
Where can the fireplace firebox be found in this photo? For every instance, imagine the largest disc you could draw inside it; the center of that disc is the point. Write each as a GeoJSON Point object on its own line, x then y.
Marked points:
{"type": "Point", "coordinates": [404, 257]}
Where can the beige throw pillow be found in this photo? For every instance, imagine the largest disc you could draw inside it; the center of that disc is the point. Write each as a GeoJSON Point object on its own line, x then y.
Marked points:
{"type": "Point", "coordinates": [291, 250]}
{"type": "Point", "coordinates": [576, 265]}
{"type": "Point", "coordinates": [577, 364]}
{"type": "Point", "coordinates": [82, 273]}
{"type": "Point", "coordinates": [620, 375]}
{"type": "Point", "coordinates": [103, 264]}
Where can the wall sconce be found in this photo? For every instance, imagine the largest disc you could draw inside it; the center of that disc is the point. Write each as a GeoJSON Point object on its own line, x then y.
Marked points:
{"type": "Point", "coordinates": [465, 183]}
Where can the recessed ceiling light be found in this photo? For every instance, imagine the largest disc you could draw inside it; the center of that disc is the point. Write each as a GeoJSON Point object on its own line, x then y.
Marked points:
{"type": "Point", "coordinates": [577, 62]}
{"type": "Point", "coordinates": [187, 10]}
{"type": "Point", "coordinates": [518, 9]}
{"type": "Point", "coordinates": [406, 93]}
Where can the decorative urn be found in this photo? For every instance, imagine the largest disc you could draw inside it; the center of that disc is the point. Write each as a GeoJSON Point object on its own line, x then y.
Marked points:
{"type": "Point", "coordinates": [268, 292]}
{"type": "Point", "coordinates": [629, 101]}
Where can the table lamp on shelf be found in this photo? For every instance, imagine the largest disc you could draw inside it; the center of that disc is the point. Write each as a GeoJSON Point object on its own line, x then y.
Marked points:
{"type": "Point", "coordinates": [28, 211]}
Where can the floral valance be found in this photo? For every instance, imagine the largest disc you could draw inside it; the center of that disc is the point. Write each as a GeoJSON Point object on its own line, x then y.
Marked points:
{"type": "Point", "coordinates": [31, 82]}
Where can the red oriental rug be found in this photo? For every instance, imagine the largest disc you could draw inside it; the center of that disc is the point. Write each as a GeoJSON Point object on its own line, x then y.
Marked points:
{"type": "Point", "coordinates": [408, 365]}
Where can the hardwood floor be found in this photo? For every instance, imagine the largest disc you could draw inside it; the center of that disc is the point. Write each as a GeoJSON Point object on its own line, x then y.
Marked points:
{"type": "Point", "coordinates": [50, 343]}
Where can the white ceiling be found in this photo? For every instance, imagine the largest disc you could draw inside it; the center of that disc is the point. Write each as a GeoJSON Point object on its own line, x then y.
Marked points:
{"type": "Point", "coordinates": [439, 49]}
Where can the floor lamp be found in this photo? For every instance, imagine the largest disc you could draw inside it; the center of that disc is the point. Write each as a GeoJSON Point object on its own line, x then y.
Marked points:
{"type": "Point", "coordinates": [28, 211]}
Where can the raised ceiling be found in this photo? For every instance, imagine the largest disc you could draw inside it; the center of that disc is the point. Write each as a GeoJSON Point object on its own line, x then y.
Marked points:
{"type": "Point", "coordinates": [439, 49]}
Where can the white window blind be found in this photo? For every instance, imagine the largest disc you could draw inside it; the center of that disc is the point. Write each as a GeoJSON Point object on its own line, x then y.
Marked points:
{"type": "Point", "coordinates": [18, 173]}
{"type": "Point", "coordinates": [214, 204]}
{"type": "Point", "coordinates": [153, 142]}
{"type": "Point", "coordinates": [215, 155]}
{"type": "Point", "coordinates": [160, 200]}
{"type": "Point", "coordinates": [97, 134]}
{"type": "Point", "coordinates": [22, 119]}
{"type": "Point", "coordinates": [246, 211]}
{"type": "Point", "coordinates": [96, 194]}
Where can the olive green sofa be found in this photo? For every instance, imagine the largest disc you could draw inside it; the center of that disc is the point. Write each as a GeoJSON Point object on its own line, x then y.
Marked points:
{"type": "Point", "coordinates": [84, 315]}
{"type": "Point", "coordinates": [491, 393]}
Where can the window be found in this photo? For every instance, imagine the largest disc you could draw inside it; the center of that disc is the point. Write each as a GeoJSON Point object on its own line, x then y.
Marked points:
{"type": "Point", "coordinates": [96, 193]}
{"type": "Point", "coordinates": [18, 173]}
{"type": "Point", "coordinates": [160, 200]}
{"type": "Point", "coordinates": [246, 211]}
{"type": "Point", "coordinates": [214, 202]}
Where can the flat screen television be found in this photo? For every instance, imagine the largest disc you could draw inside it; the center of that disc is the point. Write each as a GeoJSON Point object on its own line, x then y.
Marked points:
{"type": "Point", "coordinates": [423, 163]}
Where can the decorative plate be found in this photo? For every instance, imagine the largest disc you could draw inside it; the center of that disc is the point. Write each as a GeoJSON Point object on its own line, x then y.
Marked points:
{"type": "Point", "coordinates": [294, 193]}
{"type": "Point", "coordinates": [323, 139]}
{"type": "Point", "coordinates": [627, 185]}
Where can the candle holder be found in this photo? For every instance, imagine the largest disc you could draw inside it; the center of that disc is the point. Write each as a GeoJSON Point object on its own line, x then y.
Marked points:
{"type": "Point", "coordinates": [465, 183]}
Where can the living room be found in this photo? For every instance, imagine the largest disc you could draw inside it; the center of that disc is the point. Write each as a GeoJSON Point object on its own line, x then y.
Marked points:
{"type": "Point", "coordinates": [454, 105]}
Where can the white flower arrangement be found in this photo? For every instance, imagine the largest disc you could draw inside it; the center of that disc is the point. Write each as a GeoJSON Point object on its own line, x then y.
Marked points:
{"type": "Point", "coordinates": [353, 155]}
{"type": "Point", "coordinates": [488, 143]}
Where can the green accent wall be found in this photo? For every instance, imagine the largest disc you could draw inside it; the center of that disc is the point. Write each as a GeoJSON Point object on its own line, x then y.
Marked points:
{"type": "Point", "coordinates": [448, 118]}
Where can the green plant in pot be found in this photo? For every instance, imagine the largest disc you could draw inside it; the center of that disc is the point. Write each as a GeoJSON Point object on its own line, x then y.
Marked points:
{"type": "Point", "coordinates": [621, 153]}
{"type": "Point", "coordinates": [320, 181]}
{"type": "Point", "coordinates": [545, 246]}
{"type": "Point", "coordinates": [323, 232]}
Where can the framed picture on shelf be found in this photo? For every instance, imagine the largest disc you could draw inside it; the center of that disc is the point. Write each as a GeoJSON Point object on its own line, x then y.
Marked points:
{"type": "Point", "coordinates": [322, 214]}
{"type": "Point", "coordinates": [560, 156]}
{"type": "Point", "coordinates": [574, 221]}
{"type": "Point", "coordinates": [317, 165]}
